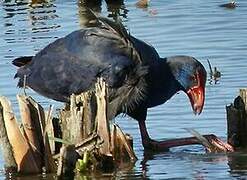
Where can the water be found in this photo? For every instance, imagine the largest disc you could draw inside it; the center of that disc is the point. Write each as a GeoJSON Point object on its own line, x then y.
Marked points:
{"type": "Point", "coordinates": [197, 28]}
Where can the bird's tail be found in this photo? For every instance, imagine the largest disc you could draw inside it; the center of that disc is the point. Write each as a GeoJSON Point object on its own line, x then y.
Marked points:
{"type": "Point", "coordinates": [22, 61]}
{"type": "Point", "coordinates": [22, 72]}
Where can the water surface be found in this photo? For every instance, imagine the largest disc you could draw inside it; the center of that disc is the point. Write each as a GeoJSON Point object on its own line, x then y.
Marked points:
{"type": "Point", "coordinates": [198, 28]}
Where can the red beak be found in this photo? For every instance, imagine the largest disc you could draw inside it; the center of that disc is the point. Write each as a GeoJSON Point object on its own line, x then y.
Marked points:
{"type": "Point", "coordinates": [197, 97]}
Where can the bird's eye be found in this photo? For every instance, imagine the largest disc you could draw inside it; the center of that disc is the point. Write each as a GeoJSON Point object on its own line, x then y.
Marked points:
{"type": "Point", "coordinates": [193, 79]}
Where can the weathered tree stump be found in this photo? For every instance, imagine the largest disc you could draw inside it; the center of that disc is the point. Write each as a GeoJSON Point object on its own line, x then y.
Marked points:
{"type": "Point", "coordinates": [8, 155]}
{"type": "Point", "coordinates": [85, 125]}
{"type": "Point", "coordinates": [22, 152]}
{"type": "Point", "coordinates": [122, 146]}
{"type": "Point", "coordinates": [35, 127]}
{"type": "Point", "coordinates": [84, 130]}
{"type": "Point", "coordinates": [237, 121]}
{"type": "Point", "coordinates": [29, 146]}
{"type": "Point", "coordinates": [67, 161]}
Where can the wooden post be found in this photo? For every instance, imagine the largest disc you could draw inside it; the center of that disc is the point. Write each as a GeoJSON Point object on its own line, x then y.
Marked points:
{"type": "Point", "coordinates": [35, 131]}
{"type": "Point", "coordinates": [67, 162]}
{"type": "Point", "coordinates": [22, 152]}
{"type": "Point", "coordinates": [31, 130]}
{"type": "Point", "coordinates": [8, 155]}
{"type": "Point", "coordinates": [122, 146]}
{"type": "Point", "coordinates": [103, 128]}
{"type": "Point", "coordinates": [237, 121]}
{"type": "Point", "coordinates": [243, 95]}
{"type": "Point", "coordinates": [89, 113]}
{"type": "Point", "coordinates": [57, 132]}
{"type": "Point", "coordinates": [72, 120]}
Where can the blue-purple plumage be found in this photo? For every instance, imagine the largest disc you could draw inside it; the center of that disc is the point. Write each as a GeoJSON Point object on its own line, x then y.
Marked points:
{"type": "Point", "coordinates": [137, 77]}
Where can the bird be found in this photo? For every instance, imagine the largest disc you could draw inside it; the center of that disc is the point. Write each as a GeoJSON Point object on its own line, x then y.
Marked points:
{"type": "Point", "coordinates": [230, 5]}
{"type": "Point", "coordinates": [214, 75]}
{"type": "Point", "coordinates": [137, 77]}
{"type": "Point", "coordinates": [142, 3]}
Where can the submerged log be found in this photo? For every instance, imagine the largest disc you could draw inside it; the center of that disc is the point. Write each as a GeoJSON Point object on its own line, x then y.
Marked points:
{"type": "Point", "coordinates": [237, 121]}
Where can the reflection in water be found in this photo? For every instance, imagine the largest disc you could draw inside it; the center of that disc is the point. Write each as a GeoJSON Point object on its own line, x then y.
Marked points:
{"type": "Point", "coordinates": [144, 166]}
{"type": "Point", "coordinates": [116, 9]}
{"type": "Point", "coordinates": [40, 18]}
{"type": "Point", "coordinates": [238, 163]}
{"type": "Point", "coordinates": [11, 10]}
{"type": "Point", "coordinates": [86, 18]}
{"type": "Point", "coordinates": [14, 8]}
{"type": "Point", "coordinates": [94, 5]}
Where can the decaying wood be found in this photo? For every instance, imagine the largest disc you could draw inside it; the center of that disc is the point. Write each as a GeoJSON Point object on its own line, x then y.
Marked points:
{"type": "Point", "coordinates": [35, 131]}
{"type": "Point", "coordinates": [47, 127]}
{"type": "Point", "coordinates": [57, 132]}
{"type": "Point", "coordinates": [103, 128]}
{"type": "Point", "coordinates": [92, 132]}
{"type": "Point", "coordinates": [72, 121]}
{"type": "Point", "coordinates": [30, 129]}
{"type": "Point", "coordinates": [122, 145]}
{"type": "Point", "coordinates": [84, 129]}
{"type": "Point", "coordinates": [89, 112]}
{"type": "Point", "coordinates": [243, 95]}
{"type": "Point", "coordinates": [23, 154]}
{"type": "Point", "coordinates": [8, 155]}
{"type": "Point", "coordinates": [237, 121]}
{"type": "Point", "coordinates": [67, 161]}
{"type": "Point", "coordinates": [89, 144]}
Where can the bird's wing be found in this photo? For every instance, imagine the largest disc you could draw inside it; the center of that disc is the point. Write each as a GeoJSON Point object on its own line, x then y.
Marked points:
{"type": "Point", "coordinates": [72, 64]}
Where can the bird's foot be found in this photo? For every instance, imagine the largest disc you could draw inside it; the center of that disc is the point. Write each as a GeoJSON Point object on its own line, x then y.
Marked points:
{"type": "Point", "coordinates": [215, 144]}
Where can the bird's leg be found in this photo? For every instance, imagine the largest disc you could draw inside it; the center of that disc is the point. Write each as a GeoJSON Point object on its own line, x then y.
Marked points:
{"type": "Point", "coordinates": [150, 144]}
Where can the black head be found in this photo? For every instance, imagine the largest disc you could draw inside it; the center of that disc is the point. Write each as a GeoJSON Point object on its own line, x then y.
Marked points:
{"type": "Point", "coordinates": [191, 76]}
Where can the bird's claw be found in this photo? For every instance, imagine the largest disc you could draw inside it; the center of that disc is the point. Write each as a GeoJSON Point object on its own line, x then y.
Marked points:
{"type": "Point", "coordinates": [217, 145]}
